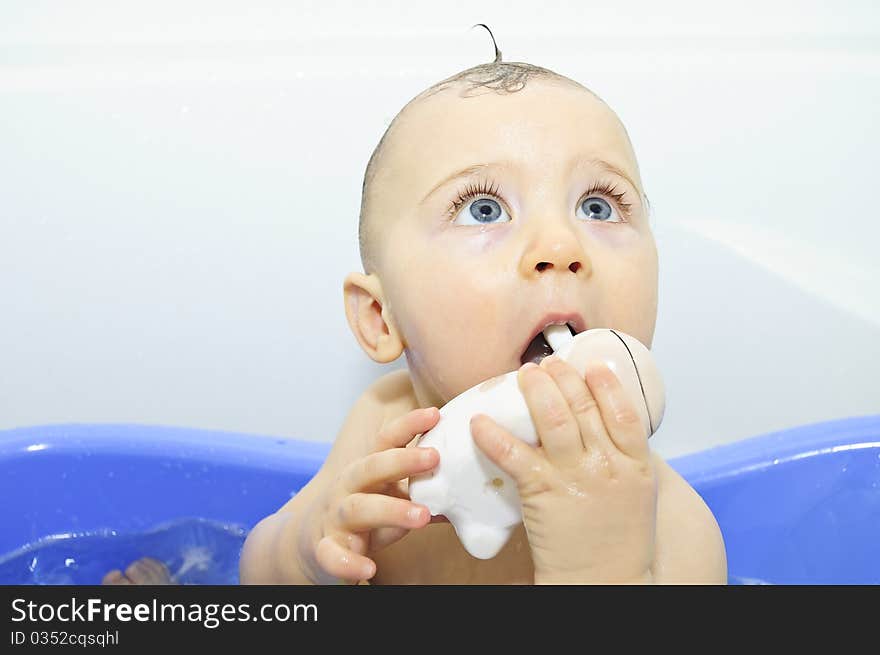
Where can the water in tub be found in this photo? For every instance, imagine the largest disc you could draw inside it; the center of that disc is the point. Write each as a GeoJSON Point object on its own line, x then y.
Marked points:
{"type": "Point", "coordinates": [196, 551]}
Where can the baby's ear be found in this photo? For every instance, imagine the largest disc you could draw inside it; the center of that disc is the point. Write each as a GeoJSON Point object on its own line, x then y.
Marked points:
{"type": "Point", "coordinates": [369, 319]}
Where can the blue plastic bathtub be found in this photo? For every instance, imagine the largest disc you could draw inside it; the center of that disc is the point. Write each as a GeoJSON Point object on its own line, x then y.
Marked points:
{"type": "Point", "coordinates": [800, 506]}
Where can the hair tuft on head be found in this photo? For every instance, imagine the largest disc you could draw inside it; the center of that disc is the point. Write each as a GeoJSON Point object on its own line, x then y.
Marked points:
{"type": "Point", "coordinates": [497, 51]}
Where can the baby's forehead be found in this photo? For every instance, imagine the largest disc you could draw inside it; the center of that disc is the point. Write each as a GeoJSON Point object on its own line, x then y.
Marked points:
{"type": "Point", "coordinates": [540, 126]}
{"type": "Point", "coordinates": [544, 101]}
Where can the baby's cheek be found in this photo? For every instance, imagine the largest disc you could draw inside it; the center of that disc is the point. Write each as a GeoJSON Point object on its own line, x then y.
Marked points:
{"type": "Point", "coordinates": [629, 292]}
{"type": "Point", "coordinates": [456, 322]}
{"type": "Point", "coordinates": [468, 240]}
{"type": "Point", "coordinates": [615, 235]}
{"type": "Point", "coordinates": [465, 271]}
{"type": "Point", "coordinates": [462, 308]}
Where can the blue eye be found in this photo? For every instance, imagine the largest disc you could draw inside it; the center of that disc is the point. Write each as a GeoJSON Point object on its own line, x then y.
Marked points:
{"type": "Point", "coordinates": [598, 209]}
{"type": "Point", "coordinates": [481, 211]}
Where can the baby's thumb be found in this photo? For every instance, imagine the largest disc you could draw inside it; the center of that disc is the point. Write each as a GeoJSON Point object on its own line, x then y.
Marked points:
{"type": "Point", "coordinates": [511, 455]}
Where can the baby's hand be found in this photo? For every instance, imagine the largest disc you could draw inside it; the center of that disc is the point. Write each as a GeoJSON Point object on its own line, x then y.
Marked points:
{"type": "Point", "coordinates": [589, 490]}
{"type": "Point", "coordinates": [367, 507]}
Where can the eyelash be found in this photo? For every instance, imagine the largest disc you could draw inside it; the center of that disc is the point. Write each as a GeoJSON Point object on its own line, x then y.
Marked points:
{"type": "Point", "coordinates": [487, 188]}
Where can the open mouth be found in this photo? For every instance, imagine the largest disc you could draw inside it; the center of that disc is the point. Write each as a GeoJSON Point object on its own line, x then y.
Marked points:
{"type": "Point", "coordinates": [539, 347]}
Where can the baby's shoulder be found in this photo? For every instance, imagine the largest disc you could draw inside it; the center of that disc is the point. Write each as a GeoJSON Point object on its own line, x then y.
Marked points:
{"type": "Point", "coordinates": [387, 397]}
{"type": "Point", "coordinates": [673, 491]}
{"type": "Point", "coordinates": [689, 539]}
{"type": "Point", "coordinates": [392, 387]}
{"type": "Point", "coordinates": [679, 505]}
{"type": "Point", "coordinates": [391, 395]}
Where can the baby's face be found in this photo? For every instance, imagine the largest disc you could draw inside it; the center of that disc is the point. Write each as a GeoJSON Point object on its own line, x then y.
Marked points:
{"type": "Point", "coordinates": [547, 225]}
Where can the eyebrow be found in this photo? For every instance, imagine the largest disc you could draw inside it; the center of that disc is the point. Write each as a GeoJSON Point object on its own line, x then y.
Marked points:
{"type": "Point", "coordinates": [465, 172]}
{"type": "Point", "coordinates": [476, 168]}
{"type": "Point", "coordinates": [614, 170]}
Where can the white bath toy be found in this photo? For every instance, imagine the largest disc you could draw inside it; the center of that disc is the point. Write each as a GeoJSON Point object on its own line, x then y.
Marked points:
{"type": "Point", "coordinates": [480, 500]}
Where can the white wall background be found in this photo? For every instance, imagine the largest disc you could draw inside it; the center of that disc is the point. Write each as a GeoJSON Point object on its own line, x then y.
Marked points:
{"type": "Point", "coordinates": [180, 184]}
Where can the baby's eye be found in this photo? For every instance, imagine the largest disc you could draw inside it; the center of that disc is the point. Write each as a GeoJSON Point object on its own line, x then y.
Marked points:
{"type": "Point", "coordinates": [481, 211]}
{"type": "Point", "coordinates": [598, 209]}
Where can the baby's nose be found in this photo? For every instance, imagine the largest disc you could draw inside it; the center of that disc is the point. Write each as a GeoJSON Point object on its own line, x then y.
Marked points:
{"type": "Point", "coordinates": [562, 254]}
{"type": "Point", "coordinates": [574, 267]}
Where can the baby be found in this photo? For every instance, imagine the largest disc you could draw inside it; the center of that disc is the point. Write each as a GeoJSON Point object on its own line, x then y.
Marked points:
{"type": "Point", "coordinates": [499, 201]}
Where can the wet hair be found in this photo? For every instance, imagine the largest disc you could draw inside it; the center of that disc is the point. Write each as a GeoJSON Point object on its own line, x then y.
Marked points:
{"type": "Point", "coordinates": [497, 76]}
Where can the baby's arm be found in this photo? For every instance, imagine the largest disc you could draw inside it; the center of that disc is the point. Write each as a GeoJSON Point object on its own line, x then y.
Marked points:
{"type": "Point", "coordinates": [322, 534]}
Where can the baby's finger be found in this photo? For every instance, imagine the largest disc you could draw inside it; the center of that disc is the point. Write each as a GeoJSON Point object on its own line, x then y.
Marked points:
{"type": "Point", "coordinates": [580, 400]}
{"type": "Point", "coordinates": [397, 490]}
{"type": "Point", "coordinates": [399, 432]}
{"type": "Point", "coordinates": [516, 458]}
{"type": "Point", "coordinates": [554, 422]}
{"type": "Point", "coordinates": [360, 512]}
{"type": "Point", "coordinates": [622, 421]}
{"type": "Point", "coordinates": [383, 537]}
{"type": "Point", "coordinates": [342, 563]}
{"type": "Point", "coordinates": [377, 470]}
